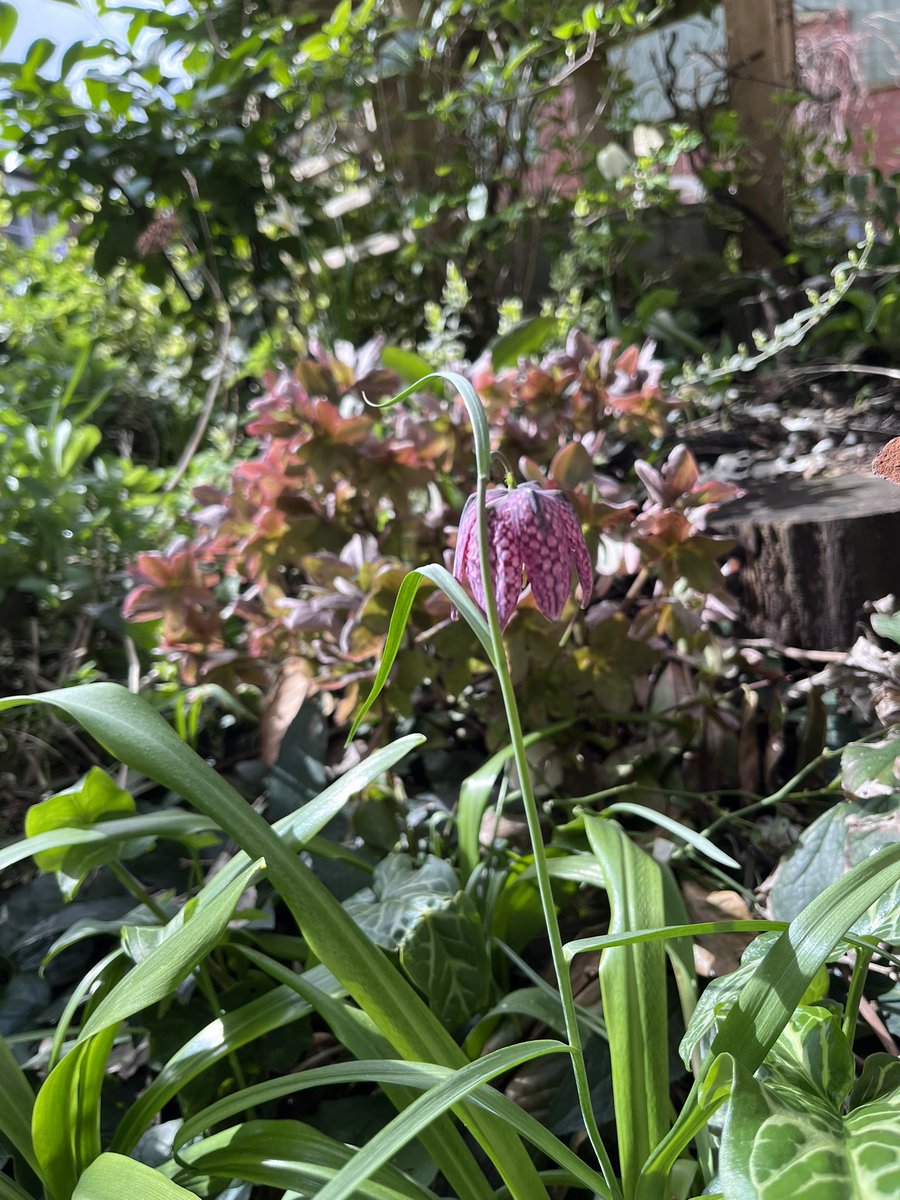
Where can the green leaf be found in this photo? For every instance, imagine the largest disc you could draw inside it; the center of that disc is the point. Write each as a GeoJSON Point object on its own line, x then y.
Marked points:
{"type": "Point", "coordinates": [842, 836]}
{"type": "Point", "coordinates": [38, 52]}
{"type": "Point", "coordinates": [405, 363]}
{"type": "Point", "coordinates": [633, 989]}
{"type": "Point", "coordinates": [299, 828]}
{"type": "Point", "coordinates": [523, 339]}
{"type": "Point", "coordinates": [887, 625]}
{"type": "Point", "coordinates": [16, 1103]}
{"type": "Point", "coordinates": [9, 18]}
{"type": "Point", "coordinates": [180, 826]}
{"type": "Point", "coordinates": [785, 1133]}
{"type": "Point", "coordinates": [775, 988]}
{"type": "Point", "coordinates": [193, 934]}
{"type": "Point", "coordinates": [872, 768]}
{"type": "Point", "coordinates": [66, 1121]}
{"type": "Point", "coordinates": [437, 1100]}
{"type": "Point", "coordinates": [290, 1154]}
{"type": "Point", "coordinates": [697, 840]}
{"type": "Point", "coordinates": [399, 617]}
{"type": "Point", "coordinates": [353, 1029]}
{"type": "Point", "coordinates": [400, 894]}
{"type": "Point", "coordinates": [444, 954]}
{"type": "Point", "coordinates": [131, 730]}
{"type": "Point", "coordinates": [210, 1045]}
{"type": "Point", "coordinates": [475, 794]}
{"type": "Point", "coordinates": [112, 1176]}
{"type": "Point", "coordinates": [95, 797]}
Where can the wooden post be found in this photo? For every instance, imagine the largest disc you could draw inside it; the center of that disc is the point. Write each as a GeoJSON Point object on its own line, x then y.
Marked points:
{"type": "Point", "coordinates": [760, 65]}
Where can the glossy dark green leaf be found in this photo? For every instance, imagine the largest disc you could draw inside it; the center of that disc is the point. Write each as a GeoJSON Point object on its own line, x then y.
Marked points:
{"type": "Point", "coordinates": [445, 956]}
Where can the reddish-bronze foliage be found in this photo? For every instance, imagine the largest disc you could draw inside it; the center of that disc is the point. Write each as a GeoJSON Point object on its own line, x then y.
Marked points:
{"type": "Point", "coordinates": [298, 560]}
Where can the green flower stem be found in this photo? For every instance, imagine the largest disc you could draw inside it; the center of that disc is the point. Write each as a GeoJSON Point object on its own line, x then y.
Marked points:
{"type": "Point", "coordinates": [140, 893]}
{"type": "Point", "coordinates": [542, 873]}
{"type": "Point", "coordinates": [854, 994]}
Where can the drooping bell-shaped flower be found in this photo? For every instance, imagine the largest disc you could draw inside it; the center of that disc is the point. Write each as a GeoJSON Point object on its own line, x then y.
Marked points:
{"type": "Point", "coordinates": [529, 529]}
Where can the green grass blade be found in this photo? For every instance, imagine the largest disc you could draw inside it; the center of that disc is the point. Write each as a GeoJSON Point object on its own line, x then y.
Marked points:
{"type": "Point", "coordinates": [356, 1033]}
{"type": "Point", "coordinates": [697, 840]}
{"type": "Point", "coordinates": [290, 1154]}
{"type": "Point", "coordinates": [176, 825]}
{"type": "Point", "coordinates": [214, 1042]}
{"type": "Point", "coordinates": [10, 1190]}
{"type": "Point", "coordinates": [399, 617]}
{"type": "Point", "coordinates": [65, 1124]}
{"type": "Point", "coordinates": [436, 1101]}
{"type": "Point", "coordinates": [138, 736]}
{"type": "Point", "coordinates": [776, 987]}
{"type": "Point", "coordinates": [16, 1104]}
{"type": "Point", "coordinates": [450, 1088]}
{"type": "Point", "coordinates": [299, 828]}
{"type": "Point", "coordinates": [82, 989]}
{"type": "Point", "coordinates": [114, 1177]}
{"type": "Point", "coordinates": [160, 973]}
{"type": "Point", "coordinates": [633, 990]}
{"type": "Point", "coordinates": [667, 932]}
{"type": "Point", "coordinates": [475, 794]}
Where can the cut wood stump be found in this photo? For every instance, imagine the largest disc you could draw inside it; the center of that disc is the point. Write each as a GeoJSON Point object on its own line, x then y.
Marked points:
{"type": "Point", "coordinates": [814, 551]}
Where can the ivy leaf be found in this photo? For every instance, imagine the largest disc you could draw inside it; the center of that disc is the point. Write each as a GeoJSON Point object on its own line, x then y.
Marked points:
{"type": "Point", "coordinates": [445, 957]}
{"type": "Point", "coordinates": [399, 896]}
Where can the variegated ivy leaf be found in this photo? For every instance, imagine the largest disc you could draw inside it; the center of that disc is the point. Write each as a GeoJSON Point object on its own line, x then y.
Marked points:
{"type": "Point", "coordinates": [718, 997]}
{"type": "Point", "coordinates": [399, 895]}
{"type": "Point", "coordinates": [445, 956]}
{"type": "Point", "coordinates": [786, 1135]}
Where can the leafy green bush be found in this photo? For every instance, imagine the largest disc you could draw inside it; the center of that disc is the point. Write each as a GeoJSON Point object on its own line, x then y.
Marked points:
{"type": "Point", "coordinates": [134, 365]}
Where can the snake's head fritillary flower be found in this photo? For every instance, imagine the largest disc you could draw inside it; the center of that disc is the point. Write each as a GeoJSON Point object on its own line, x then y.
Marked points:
{"type": "Point", "coordinates": [529, 530]}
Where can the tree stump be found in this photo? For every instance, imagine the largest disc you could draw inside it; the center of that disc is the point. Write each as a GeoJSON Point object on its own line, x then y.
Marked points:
{"type": "Point", "coordinates": [814, 551]}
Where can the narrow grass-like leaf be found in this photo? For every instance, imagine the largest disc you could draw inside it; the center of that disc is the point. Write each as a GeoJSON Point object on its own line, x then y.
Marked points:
{"type": "Point", "coordinates": [299, 828]}
{"type": "Point", "coordinates": [290, 1154]}
{"type": "Point", "coordinates": [65, 1124]}
{"type": "Point", "coordinates": [777, 986]}
{"type": "Point", "coordinates": [81, 990]}
{"type": "Point", "coordinates": [10, 1190]}
{"type": "Point", "coordinates": [633, 989]}
{"type": "Point", "coordinates": [138, 736]}
{"type": "Point", "coordinates": [436, 1101]}
{"type": "Point", "coordinates": [114, 1177]}
{"type": "Point", "coordinates": [16, 1104]}
{"type": "Point", "coordinates": [697, 840]}
{"type": "Point", "coordinates": [400, 616]}
{"type": "Point", "coordinates": [475, 793]}
{"type": "Point", "coordinates": [667, 932]}
{"type": "Point", "coordinates": [158, 975]}
{"type": "Point", "coordinates": [180, 826]}
{"type": "Point", "coordinates": [353, 1029]}
{"type": "Point", "coordinates": [214, 1042]}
